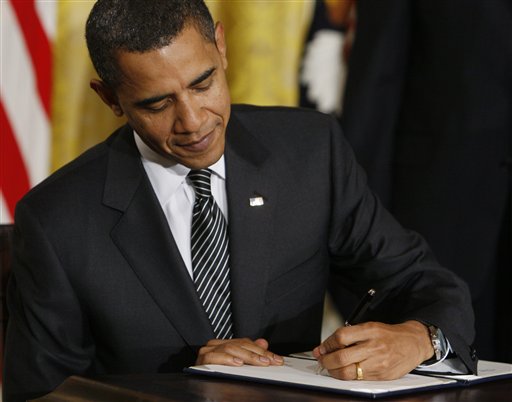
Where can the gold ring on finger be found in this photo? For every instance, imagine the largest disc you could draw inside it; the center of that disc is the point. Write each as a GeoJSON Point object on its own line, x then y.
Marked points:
{"type": "Point", "coordinates": [359, 372]}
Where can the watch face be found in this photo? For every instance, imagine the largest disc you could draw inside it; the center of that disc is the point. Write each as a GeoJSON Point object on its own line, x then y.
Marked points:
{"type": "Point", "coordinates": [435, 338]}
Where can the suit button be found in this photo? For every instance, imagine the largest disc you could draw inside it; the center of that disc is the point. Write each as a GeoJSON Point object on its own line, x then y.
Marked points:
{"type": "Point", "coordinates": [473, 354]}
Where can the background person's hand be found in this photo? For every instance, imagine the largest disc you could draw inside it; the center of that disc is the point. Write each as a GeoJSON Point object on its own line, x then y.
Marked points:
{"type": "Point", "coordinates": [236, 352]}
{"type": "Point", "coordinates": [383, 351]}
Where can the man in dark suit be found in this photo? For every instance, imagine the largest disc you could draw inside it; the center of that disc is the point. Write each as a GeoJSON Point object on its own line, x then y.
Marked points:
{"type": "Point", "coordinates": [104, 273]}
{"type": "Point", "coordinates": [428, 111]}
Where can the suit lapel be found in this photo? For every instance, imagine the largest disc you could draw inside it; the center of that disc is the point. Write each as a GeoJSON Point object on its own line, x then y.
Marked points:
{"type": "Point", "coordinates": [143, 237]}
{"type": "Point", "coordinates": [250, 227]}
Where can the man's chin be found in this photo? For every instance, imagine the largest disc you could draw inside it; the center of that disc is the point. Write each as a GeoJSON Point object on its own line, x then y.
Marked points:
{"type": "Point", "coordinates": [199, 161]}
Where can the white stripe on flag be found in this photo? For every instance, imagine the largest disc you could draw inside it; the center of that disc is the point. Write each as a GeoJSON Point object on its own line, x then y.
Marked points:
{"type": "Point", "coordinates": [5, 216]}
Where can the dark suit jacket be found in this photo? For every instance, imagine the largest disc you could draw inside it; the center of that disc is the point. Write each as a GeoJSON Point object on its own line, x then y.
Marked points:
{"type": "Point", "coordinates": [428, 111]}
{"type": "Point", "coordinates": [99, 286]}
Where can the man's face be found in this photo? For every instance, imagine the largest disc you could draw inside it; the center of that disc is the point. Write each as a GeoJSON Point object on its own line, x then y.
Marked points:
{"type": "Point", "coordinates": [177, 98]}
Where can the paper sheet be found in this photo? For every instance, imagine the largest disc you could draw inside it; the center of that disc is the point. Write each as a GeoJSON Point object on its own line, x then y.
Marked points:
{"type": "Point", "coordinates": [302, 372]}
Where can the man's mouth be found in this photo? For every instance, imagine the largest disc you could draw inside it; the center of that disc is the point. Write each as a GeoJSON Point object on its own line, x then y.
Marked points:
{"type": "Point", "coordinates": [199, 145]}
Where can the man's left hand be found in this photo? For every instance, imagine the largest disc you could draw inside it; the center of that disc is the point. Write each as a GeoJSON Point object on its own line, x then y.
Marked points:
{"type": "Point", "coordinates": [237, 352]}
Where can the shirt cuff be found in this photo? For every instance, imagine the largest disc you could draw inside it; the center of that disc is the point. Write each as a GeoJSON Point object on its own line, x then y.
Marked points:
{"type": "Point", "coordinates": [448, 349]}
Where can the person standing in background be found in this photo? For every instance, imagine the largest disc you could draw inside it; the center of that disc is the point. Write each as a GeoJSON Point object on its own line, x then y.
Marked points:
{"type": "Point", "coordinates": [428, 111]}
{"type": "Point", "coordinates": [323, 65]}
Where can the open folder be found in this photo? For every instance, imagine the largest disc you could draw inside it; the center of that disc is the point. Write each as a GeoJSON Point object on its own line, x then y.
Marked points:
{"type": "Point", "coordinates": [297, 372]}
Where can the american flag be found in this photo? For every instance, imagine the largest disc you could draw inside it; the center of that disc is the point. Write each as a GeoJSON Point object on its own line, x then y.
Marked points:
{"type": "Point", "coordinates": [27, 32]}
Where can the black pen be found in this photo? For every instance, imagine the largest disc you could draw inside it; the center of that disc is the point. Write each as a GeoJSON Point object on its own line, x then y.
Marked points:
{"type": "Point", "coordinates": [356, 315]}
{"type": "Point", "coordinates": [361, 308]}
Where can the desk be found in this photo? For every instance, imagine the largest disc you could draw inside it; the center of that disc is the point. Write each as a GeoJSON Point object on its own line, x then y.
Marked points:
{"type": "Point", "coordinates": [194, 388]}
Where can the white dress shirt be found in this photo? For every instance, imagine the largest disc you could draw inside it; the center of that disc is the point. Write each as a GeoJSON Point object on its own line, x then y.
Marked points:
{"type": "Point", "coordinates": [176, 194]}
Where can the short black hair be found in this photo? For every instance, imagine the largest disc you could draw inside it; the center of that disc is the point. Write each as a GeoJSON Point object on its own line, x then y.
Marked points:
{"type": "Point", "coordinates": [139, 26]}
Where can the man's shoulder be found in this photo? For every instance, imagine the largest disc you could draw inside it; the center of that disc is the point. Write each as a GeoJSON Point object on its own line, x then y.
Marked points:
{"type": "Point", "coordinates": [85, 168]}
{"type": "Point", "coordinates": [278, 113]}
{"type": "Point", "coordinates": [283, 123]}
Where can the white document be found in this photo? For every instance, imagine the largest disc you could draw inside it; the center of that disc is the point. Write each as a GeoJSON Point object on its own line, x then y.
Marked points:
{"type": "Point", "coordinates": [302, 373]}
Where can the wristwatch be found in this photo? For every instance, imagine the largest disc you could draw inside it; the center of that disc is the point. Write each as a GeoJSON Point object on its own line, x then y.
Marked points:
{"type": "Point", "coordinates": [438, 342]}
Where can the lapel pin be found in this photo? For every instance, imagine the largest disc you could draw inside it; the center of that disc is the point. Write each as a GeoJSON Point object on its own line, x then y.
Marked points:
{"type": "Point", "coordinates": [256, 201]}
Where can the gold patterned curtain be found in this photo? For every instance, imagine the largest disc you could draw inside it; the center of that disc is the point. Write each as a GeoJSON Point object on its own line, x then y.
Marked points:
{"type": "Point", "coordinates": [264, 40]}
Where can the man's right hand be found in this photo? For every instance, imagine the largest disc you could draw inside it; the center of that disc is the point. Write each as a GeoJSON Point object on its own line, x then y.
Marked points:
{"type": "Point", "coordinates": [237, 352]}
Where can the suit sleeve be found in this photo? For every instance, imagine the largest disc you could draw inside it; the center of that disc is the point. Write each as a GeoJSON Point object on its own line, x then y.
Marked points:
{"type": "Point", "coordinates": [370, 249]}
{"type": "Point", "coordinates": [47, 336]}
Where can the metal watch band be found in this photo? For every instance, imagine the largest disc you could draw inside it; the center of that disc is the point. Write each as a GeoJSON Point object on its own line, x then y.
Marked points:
{"type": "Point", "coordinates": [435, 339]}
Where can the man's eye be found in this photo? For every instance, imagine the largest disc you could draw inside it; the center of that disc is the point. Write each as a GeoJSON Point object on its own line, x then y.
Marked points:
{"type": "Point", "coordinates": [158, 107]}
{"type": "Point", "coordinates": [203, 87]}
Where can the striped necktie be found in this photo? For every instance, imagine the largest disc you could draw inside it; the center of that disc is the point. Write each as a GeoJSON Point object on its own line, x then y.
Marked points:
{"type": "Point", "coordinates": [210, 257]}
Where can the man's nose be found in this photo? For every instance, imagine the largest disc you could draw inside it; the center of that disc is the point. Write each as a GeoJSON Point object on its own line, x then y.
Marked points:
{"type": "Point", "coordinates": [190, 115]}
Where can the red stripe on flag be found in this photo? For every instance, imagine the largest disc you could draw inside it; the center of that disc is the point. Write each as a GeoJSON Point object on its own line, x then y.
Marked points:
{"type": "Point", "coordinates": [14, 182]}
{"type": "Point", "coordinates": [39, 48]}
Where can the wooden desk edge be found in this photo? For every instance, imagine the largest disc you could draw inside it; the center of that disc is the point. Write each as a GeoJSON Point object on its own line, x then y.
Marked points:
{"type": "Point", "coordinates": [80, 389]}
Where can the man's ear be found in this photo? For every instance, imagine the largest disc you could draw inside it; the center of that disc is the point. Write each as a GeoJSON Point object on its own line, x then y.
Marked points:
{"type": "Point", "coordinates": [107, 95]}
{"type": "Point", "coordinates": [220, 42]}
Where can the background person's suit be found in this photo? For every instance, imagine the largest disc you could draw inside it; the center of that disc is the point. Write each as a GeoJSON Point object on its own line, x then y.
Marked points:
{"type": "Point", "coordinates": [428, 111]}
{"type": "Point", "coordinates": [98, 284]}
